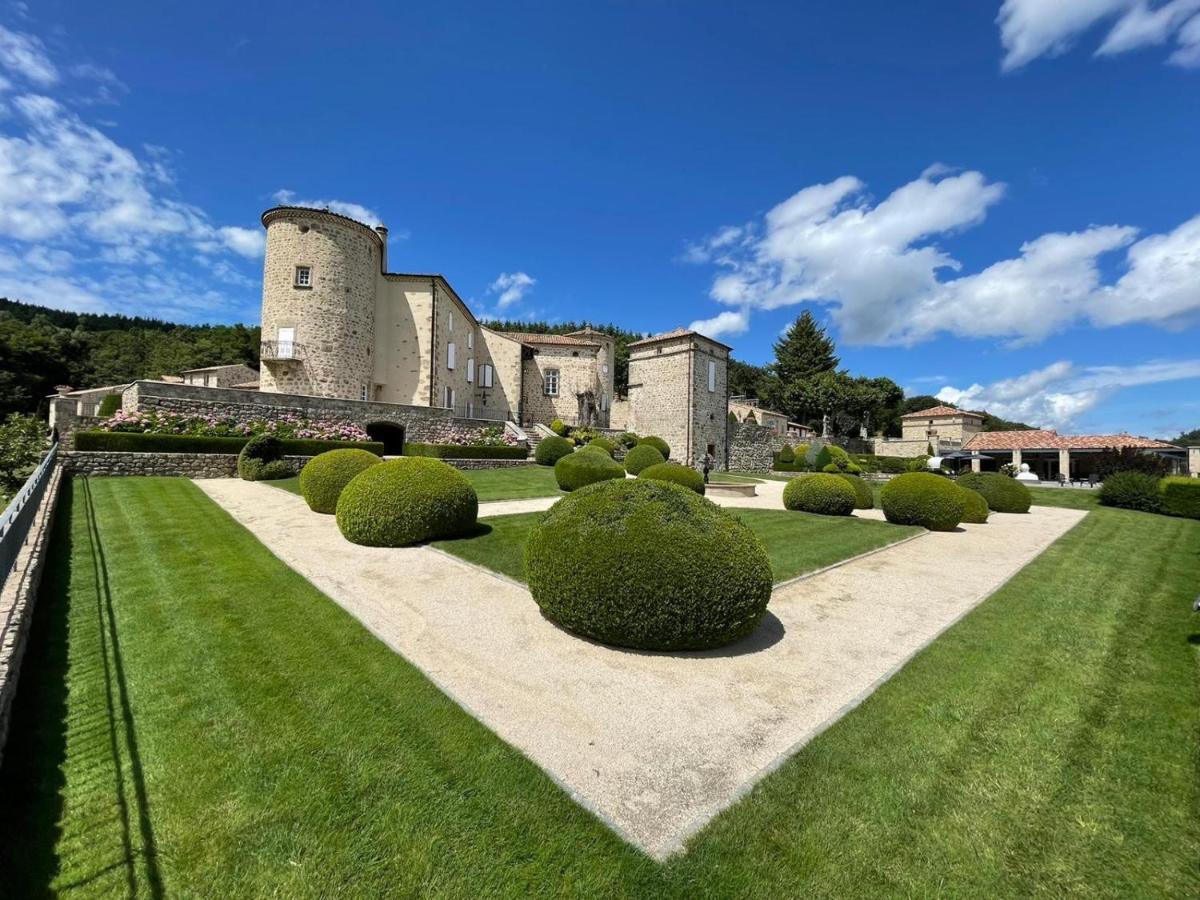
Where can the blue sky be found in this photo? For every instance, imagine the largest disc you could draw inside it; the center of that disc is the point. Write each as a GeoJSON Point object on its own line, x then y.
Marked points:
{"type": "Point", "coordinates": [997, 201]}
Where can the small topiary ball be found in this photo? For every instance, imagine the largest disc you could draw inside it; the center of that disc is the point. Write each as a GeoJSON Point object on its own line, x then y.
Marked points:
{"type": "Point", "coordinates": [826, 495]}
{"type": "Point", "coordinates": [650, 565]}
{"type": "Point", "coordinates": [325, 475]}
{"type": "Point", "coordinates": [558, 427]}
{"type": "Point", "coordinates": [863, 497]}
{"type": "Point", "coordinates": [642, 456]}
{"type": "Point", "coordinates": [975, 510]}
{"type": "Point", "coordinates": [1003, 494]}
{"type": "Point", "coordinates": [551, 449]}
{"type": "Point", "coordinates": [405, 501]}
{"type": "Point", "coordinates": [586, 467]}
{"type": "Point", "coordinates": [658, 444]}
{"type": "Point", "coordinates": [603, 444]}
{"type": "Point", "coordinates": [676, 474]}
{"type": "Point", "coordinates": [922, 498]}
{"type": "Point", "coordinates": [257, 453]}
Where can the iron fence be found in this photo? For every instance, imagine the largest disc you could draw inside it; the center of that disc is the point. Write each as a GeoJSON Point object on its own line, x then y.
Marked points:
{"type": "Point", "coordinates": [18, 516]}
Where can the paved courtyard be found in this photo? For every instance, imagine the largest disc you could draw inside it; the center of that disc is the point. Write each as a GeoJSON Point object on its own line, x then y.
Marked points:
{"type": "Point", "coordinates": [654, 744]}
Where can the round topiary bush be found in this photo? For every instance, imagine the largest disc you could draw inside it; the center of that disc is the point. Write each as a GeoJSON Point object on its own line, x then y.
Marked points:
{"type": "Point", "coordinates": [826, 495]}
{"type": "Point", "coordinates": [1003, 494]}
{"type": "Point", "coordinates": [551, 449]}
{"type": "Point", "coordinates": [405, 501]}
{"type": "Point", "coordinates": [325, 475]}
{"type": "Point", "coordinates": [628, 440]}
{"type": "Point", "coordinates": [975, 509]}
{"type": "Point", "coordinates": [925, 499]}
{"type": "Point", "coordinates": [584, 468]}
{"type": "Point", "coordinates": [864, 498]}
{"type": "Point", "coordinates": [604, 444]}
{"type": "Point", "coordinates": [642, 456]}
{"type": "Point", "coordinates": [257, 453]}
{"type": "Point", "coordinates": [658, 444]}
{"type": "Point", "coordinates": [1132, 490]}
{"type": "Point", "coordinates": [676, 474]}
{"type": "Point", "coordinates": [650, 565]}
{"type": "Point", "coordinates": [559, 427]}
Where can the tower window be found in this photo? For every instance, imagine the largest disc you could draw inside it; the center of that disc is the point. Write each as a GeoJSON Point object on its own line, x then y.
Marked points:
{"type": "Point", "coordinates": [550, 383]}
{"type": "Point", "coordinates": [303, 276]}
{"type": "Point", "coordinates": [712, 375]}
{"type": "Point", "coordinates": [362, 392]}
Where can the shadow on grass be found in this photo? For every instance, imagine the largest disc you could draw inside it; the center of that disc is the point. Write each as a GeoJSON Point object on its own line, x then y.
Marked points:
{"type": "Point", "coordinates": [33, 781]}
{"type": "Point", "coordinates": [770, 631]}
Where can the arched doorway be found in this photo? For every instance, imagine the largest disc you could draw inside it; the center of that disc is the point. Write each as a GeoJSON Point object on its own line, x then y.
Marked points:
{"type": "Point", "coordinates": [390, 434]}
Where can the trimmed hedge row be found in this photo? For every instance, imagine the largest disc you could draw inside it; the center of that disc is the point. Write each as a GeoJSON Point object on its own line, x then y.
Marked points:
{"type": "Point", "coordinates": [1181, 496]}
{"type": "Point", "coordinates": [1003, 494]}
{"type": "Point", "coordinates": [650, 565]}
{"type": "Point", "coordinates": [676, 474]}
{"type": "Point", "coordinates": [137, 442]}
{"type": "Point", "coordinates": [1132, 490]}
{"type": "Point", "coordinates": [458, 451]}
{"type": "Point", "coordinates": [405, 501]}
{"type": "Point", "coordinates": [925, 499]}
{"type": "Point", "coordinates": [823, 494]}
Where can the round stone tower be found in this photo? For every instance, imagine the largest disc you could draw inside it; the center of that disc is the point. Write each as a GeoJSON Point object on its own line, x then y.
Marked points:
{"type": "Point", "coordinates": [318, 303]}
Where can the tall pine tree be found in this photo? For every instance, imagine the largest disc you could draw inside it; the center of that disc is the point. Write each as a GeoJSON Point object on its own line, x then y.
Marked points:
{"type": "Point", "coordinates": [806, 350]}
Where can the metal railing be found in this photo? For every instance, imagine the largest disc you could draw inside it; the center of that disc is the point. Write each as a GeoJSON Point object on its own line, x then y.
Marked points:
{"type": "Point", "coordinates": [479, 411]}
{"type": "Point", "coordinates": [18, 516]}
{"type": "Point", "coordinates": [280, 351]}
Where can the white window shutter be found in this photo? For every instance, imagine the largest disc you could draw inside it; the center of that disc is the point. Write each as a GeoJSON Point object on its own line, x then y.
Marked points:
{"type": "Point", "coordinates": [450, 356]}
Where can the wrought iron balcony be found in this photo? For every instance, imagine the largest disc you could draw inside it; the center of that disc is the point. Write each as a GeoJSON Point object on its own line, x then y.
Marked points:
{"type": "Point", "coordinates": [281, 351]}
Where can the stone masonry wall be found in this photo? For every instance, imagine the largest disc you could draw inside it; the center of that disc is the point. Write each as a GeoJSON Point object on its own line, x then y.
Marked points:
{"type": "Point", "coordinates": [578, 371]}
{"type": "Point", "coordinates": [658, 392]}
{"type": "Point", "coordinates": [187, 465]}
{"type": "Point", "coordinates": [334, 319]}
{"type": "Point", "coordinates": [752, 448]}
{"type": "Point", "coordinates": [710, 408]}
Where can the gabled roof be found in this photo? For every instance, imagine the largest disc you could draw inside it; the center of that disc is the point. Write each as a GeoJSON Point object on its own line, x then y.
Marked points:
{"type": "Point", "coordinates": [562, 340]}
{"type": "Point", "coordinates": [1042, 439]}
{"type": "Point", "coordinates": [675, 334]}
{"type": "Point", "coordinates": [935, 411]}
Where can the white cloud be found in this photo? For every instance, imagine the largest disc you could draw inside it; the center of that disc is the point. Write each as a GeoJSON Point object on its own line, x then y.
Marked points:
{"type": "Point", "coordinates": [879, 268]}
{"type": "Point", "coordinates": [1033, 28]}
{"type": "Point", "coordinates": [248, 242]}
{"type": "Point", "coordinates": [512, 288]}
{"type": "Point", "coordinates": [1055, 396]}
{"type": "Point", "coordinates": [25, 56]}
{"type": "Point", "coordinates": [724, 323]}
{"type": "Point", "coordinates": [342, 207]}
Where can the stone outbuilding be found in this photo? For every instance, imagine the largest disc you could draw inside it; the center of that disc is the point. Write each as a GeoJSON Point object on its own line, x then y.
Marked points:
{"type": "Point", "coordinates": [1050, 454]}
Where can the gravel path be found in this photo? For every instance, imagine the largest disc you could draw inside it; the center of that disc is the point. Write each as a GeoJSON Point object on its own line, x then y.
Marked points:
{"type": "Point", "coordinates": [654, 744]}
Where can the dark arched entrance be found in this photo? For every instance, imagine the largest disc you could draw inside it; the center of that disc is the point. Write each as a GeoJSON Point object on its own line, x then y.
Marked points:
{"type": "Point", "coordinates": [390, 434]}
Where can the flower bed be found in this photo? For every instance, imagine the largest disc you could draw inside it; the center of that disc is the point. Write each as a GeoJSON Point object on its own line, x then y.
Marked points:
{"type": "Point", "coordinates": [286, 427]}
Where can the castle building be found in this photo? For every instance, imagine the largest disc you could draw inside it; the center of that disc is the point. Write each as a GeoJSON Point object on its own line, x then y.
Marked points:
{"type": "Point", "coordinates": [336, 323]}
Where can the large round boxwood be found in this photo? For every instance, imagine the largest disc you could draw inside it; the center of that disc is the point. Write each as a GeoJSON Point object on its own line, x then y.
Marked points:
{"type": "Point", "coordinates": [658, 444]}
{"type": "Point", "coordinates": [863, 496]}
{"type": "Point", "coordinates": [405, 501]}
{"type": "Point", "coordinates": [826, 495]}
{"type": "Point", "coordinates": [551, 449]}
{"type": "Point", "coordinates": [975, 510]}
{"type": "Point", "coordinates": [676, 474]}
{"type": "Point", "coordinates": [586, 467]}
{"type": "Point", "coordinates": [925, 499]}
{"type": "Point", "coordinates": [650, 565]}
{"type": "Point", "coordinates": [604, 444]}
{"type": "Point", "coordinates": [325, 476]}
{"type": "Point", "coordinates": [643, 456]}
{"type": "Point", "coordinates": [1003, 494]}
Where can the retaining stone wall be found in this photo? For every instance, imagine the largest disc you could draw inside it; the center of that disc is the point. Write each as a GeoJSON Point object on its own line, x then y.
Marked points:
{"type": "Point", "coordinates": [752, 448]}
{"type": "Point", "coordinates": [187, 465]}
{"type": "Point", "coordinates": [489, 463]}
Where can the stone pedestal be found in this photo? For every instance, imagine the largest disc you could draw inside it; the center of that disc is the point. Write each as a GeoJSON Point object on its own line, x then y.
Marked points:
{"type": "Point", "coordinates": [1194, 461]}
{"type": "Point", "coordinates": [1064, 462]}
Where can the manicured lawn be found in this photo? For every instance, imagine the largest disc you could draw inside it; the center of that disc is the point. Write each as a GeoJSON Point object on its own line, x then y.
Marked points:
{"type": "Point", "coordinates": [195, 719]}
{"type": "Point", "coordinates": [490, 484]}
{"type": "Point", "coordinates": [1073, 498]}
{"type": "Point", "coordinates": [796, 542]}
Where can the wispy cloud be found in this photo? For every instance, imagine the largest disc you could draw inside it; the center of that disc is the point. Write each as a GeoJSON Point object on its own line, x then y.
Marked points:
{"type": "Point", "coordinates": [511, 288]}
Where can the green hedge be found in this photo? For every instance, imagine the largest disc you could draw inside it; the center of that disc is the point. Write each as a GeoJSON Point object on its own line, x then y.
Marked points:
{"type": "Point", "coordinates": [825, 495]}
{"type": "Point", "coordinates": [975, 508]}
{"type": "Point", "coordinates": [551, 449]}
{"type": "Point", "coordinates": [1132, 490]}
{"type": "Point", "coordinates": [786, 454]}
{"type": "Point", "coordinates": [643, 456]}
{"type": "Point", "coordinates": [650, 565]}
{"type": "Point", "coordinates": [325, 476]}
{"type": "Point", "coordinates": [925, 499]}
{"type": "Point", "coordinates": [864, 497]}
{"type": "Point", "coordinates": [658, 444]}
{"type": "Point", "coordinates": [1181, 496]}
{"type": "Point", "coordinates": [1003, 494]}
{"type": "Point", "coordinates": [405, 501]}
{"type": "Point", "coordinates": [676, 474]}
{"type": "Point", "coordinates": [458, 451]}
{"type": "Point", "coordinates": [109, 405]}
{"type": "Point", "coordinates": [585, 467]}
{"type": "Point", "coordinates": [136, 442]}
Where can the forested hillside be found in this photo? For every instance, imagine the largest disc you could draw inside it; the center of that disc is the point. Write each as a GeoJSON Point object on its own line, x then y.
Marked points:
{"type": "Point", "coordinates": [42, 347]}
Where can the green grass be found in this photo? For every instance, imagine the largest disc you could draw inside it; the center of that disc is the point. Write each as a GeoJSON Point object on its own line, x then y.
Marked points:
{"type": "Point", "coordinates": [490, 484]}
{"type": "Point", "coordinates": [1072, 498]}
{"type": "Point", "coordinates": [196, 719]}
{"type": "Point", "coordinates": [796, 542]}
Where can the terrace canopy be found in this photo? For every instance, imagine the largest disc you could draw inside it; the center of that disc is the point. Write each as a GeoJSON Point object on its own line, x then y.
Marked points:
{"type": "Point", "coordinates": [1050, 454]}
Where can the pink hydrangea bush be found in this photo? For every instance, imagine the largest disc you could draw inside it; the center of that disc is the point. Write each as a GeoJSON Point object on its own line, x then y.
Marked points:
{"type": "Point", "coordinates": [286, 426]}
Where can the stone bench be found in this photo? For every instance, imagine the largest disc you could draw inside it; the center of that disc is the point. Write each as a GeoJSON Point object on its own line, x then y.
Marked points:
{"type": "Point", "coordinates": [726, 489]}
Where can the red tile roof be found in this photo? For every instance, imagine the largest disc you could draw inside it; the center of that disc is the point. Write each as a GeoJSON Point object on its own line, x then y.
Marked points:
{"type": "Point", "coordinates": [676, 333]}
{"type": "Point", "coordinates": [558, 339]}
{"type": "Point", "coordinates": [935, 411]}
{"type": "Point", "coordinates": [1039, 439]}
